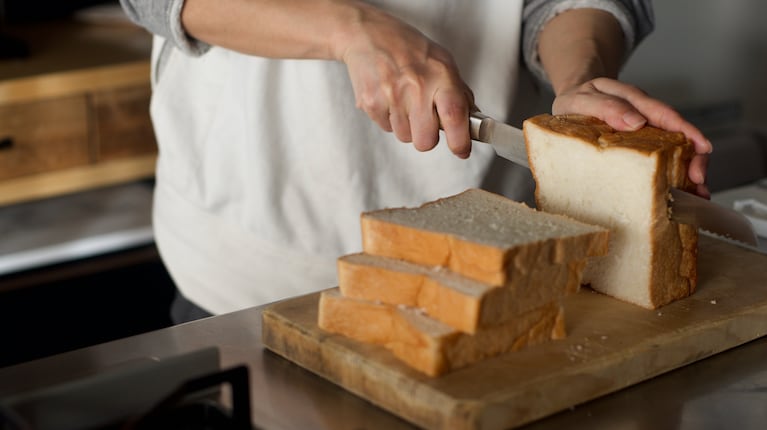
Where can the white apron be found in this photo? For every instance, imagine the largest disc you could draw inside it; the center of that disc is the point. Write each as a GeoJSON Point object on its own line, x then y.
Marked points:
{"type": "Point", "coordinates": [265, 165]}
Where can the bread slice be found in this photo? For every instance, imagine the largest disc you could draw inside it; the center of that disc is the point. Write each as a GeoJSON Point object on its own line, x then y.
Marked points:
{"type": "Point", "coordinates": [585, 169]}
{"type": "Point", "coordinates": [458, 301]}
{"type": "Point", "coordinates": [481, 235]}
{"type": "Point", "coordinates": [426, 344]}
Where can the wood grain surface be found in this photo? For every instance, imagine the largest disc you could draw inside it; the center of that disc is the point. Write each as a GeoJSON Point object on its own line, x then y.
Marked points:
{"type": "Point", "coordinates": [87, 177]}
{"type": "Point", "coordinates": [610, 345]}
{"type": "Point", "coordinates": [43, 136]}
{"type": "Point", "coordinates": [122, 125]}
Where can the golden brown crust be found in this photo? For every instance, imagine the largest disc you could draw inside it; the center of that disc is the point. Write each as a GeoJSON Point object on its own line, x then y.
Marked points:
{"type": "Point", "coordinates": [484, 263]}
{"type": "Point", "coordinates": [477, 261]}
{"type": "Point", "coordinates": [433, 348]}
{"type": "Point", "coordinates": [441, 292]}
{"type": "Point", "coordinates": [674, 246]}
{"type": "Point", "coordinates": [466, 307]}
{"type": "Point", "coordinates": [596, 132]}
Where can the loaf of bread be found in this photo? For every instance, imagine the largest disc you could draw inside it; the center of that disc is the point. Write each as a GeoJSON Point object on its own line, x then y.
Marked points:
{"type": "Point", "coordinates": [460, 302]}
{"type": "Point", "coordinates": [480, 235]}
{"type": "Point", "coordinates": [426, 344]}
{"type": "Point", "coordinates": [459, 279]}
{"type": "Point", "coordinates": [585, 169]}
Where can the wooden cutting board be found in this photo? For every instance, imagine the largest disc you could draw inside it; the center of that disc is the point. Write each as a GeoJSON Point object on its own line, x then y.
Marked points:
{"type": "Point", "coordinates": [611, 345]}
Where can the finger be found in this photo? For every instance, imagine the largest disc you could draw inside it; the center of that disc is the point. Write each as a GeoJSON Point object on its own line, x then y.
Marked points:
{"type": "Point", "coordinates": [657, 113]}
{"type": "Point", "coordinates": [697, 169]}
{"type": "Point", "coordinates": [424, 126]}
{"type": "Point", "coordinates": [453, 112]}
{"type": "Point", "coordinates": [703, 191]}
{"type": "Point", "coordinates": [612, 99]}
{"type": "Point", "coordinates": [617, 88]}
{"type": "Point", "coordinates": [622, 116]}
{"type": "Point", "coordinates": [376, 111]}
{"type": "Point", "coordinates": [425, 131]}
{"type": "Point", "coordinates": [702, 145]}
{"type": "Point", "coordinates": [382, 120]}
{"type": "Point", "coordinates": [615, 111]}
{"type": "Point", "coordinates": [662, 116]}
{"type": "Point", "coordinates": [373, 100]}
{"type": "Point", "coordinates": [401, 126]}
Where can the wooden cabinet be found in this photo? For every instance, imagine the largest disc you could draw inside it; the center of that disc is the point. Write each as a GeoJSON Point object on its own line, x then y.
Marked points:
{"type": "Point", "coordinates": [122, 127]}
{"type": "Point", "coordinates": [43, 136]}
{"type": "Point", "coordinates": [74, 114]}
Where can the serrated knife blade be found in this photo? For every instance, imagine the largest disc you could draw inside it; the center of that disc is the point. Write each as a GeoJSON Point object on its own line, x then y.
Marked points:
{"type": "Point", "coordinates": [686, 208]}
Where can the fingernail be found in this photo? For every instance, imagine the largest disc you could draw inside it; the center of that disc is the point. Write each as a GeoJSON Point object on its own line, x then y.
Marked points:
{"type": "Point", "coordinates": [698, 178]}
{"type": "Point", "coordinates": [463, 155]}
{"type": "Point", "coordinates": [710, 146]}
{"type": "Point", "coordinates": [634, 120]}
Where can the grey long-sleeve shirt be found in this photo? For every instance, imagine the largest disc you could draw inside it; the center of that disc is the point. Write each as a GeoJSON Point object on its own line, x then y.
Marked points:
{"type": "Point", "coordinates": [163, 18]}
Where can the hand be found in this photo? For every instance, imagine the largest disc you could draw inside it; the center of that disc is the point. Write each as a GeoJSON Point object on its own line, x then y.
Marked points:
{"type": "Point", "coordinates": [407, 83]}
{"type": "Point", "coordinates": [625, 108]}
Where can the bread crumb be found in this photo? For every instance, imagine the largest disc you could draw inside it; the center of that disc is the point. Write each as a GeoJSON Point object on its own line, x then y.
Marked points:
{"type": "Point", "coordinates": [603, 337]}
{"type": "Point", "coordinates": [713, 302]}
{"type": "Point", "coordinates": [660, 314]}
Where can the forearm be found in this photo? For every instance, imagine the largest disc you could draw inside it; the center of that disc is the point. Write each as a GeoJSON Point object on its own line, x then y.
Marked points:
{"type": "Point", "coordinates": [579, 45]}
{"type": "Point", "coordinates": [275, 28]}
{"type": "Point", "coordinates": [405, 82]}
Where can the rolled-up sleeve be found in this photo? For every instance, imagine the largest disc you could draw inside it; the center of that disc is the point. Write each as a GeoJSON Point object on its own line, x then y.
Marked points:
{"type": "Point", "coordinates": [163, 18]}
{"type": "Point", "coordinates": [634, 16]}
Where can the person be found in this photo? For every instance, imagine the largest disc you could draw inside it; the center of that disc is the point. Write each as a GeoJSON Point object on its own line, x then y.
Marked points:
{"type": "Point", "coordinates": [280, 121]}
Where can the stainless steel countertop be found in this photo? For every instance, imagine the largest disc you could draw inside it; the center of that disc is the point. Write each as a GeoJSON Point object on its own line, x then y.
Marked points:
{"type": "Point", "coordinates": [728, 390]}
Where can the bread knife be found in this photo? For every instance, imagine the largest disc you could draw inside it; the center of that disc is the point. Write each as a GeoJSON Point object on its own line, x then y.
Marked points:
{"type": "Point", "coordinates": [686, 208]}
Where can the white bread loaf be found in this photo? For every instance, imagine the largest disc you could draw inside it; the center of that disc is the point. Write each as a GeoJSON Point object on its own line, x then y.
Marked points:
{"type": "Point", "coordinates": [426, 344]}
{"type": "Point", "coordinates": [480, 235]}
{"type": "Point", "coordinates": [585, 169]}
{"type": "Point", "coordinates": [460, 302]}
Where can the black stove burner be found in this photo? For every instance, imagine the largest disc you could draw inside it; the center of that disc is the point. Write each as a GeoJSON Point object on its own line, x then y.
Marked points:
{"type": "Point", "coordinates": [176, 393]}
{"type": "Point", "coordinates": [176, 412]}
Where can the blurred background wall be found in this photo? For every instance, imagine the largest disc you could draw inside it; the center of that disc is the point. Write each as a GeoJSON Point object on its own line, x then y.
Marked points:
{"type": "Point", "coordinates": [706, 54]}
{"type": "Point", "coordinates": [708, 59]}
